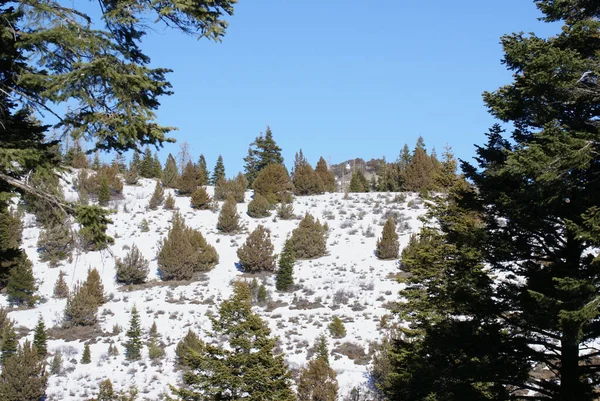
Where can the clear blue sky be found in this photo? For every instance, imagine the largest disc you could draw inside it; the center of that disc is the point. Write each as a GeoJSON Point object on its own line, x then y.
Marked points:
{"type": "Point", "coordinates": [340, 78]}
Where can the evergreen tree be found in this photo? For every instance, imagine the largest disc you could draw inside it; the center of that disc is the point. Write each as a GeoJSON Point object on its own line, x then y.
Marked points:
{"type": "Point", "coordinates": [96, 164]}
{"type": "Point", "coordinates": [81, 308]}
{"type": "Point", "coordinates": [55, 243]}
{"type": "Point", "coordinates": [86, 357]}
{"type": "Point", "coordinates": [104, 192]}
{"type": "Point", "coordinates": [337, 328]}
{"type": "Point", "coordinates": [11, 253]}
{"type": "Point", "coordinates": [169, 202]}
{"type": "Point", "coordinates": [189, 180]}
{"type": "Point", "coordinates": [218, 172]}
{"type": "Point", "coordinates": [236, 187]}
{"type": "Point", "coordinates": [120, 162]}
{"type": "Point", "coordinates": [157, 198]}
{"type": "Point", "coordinates": [285, 274]}
{"type": "Point", "coordinates": [9, 342]}
{"type": "Point", "coordinates": [309, 239]}
{"type": "Point", "coordinates": [358, 182]}
{"type": "Point", "coordinates": [326, 175]}
{"type": "Point", "coordinates": [133, 269]}
{"type": "Point", "coordinates": [200, 199]}
{"type": "Point", "coordinates": [21, 286]}
{"type": "Point", "coordinates": [133, 347]}
{"type": "Point", "coordinates": [262, 152]}
{"type": "Point", "coordinates": [61, 289]}
{"type": "Point", "coordinates": [156, 167]}
{"type": "Point", "coordinates": [317, 382]}
{"type": "Point", "coordinates": [203, 174]}
{"type": "Point", "coordinates": [23, 376]}
{"type": "Point", "coordinates": [246, 367]}
{"type": "Point", "coordinates": [306, 181]}
{"type": "Point", "coordinates": [273, 182]}
{"type": "Point", "coordinates": [229, 219]}
{"type": "Point", "coordinates": [94, 223]}
{"type": "Point", "coordinates": [132, 175]}
{"type": "Point", "coordinates": [259, 207]}
{"type": "Point", "coordinates": [257, 252]}
{"type": "Point", "coordinates": [146, 169]}
{"type": "Point", "coordinates": [322, 350]}
{"type": "Point", "coordinates": [40, 338]}
{"type": "Point", "coordinates": [136, 162]}
{"type": "Point", "coordinates": [189, 346]}
{"type": "Point", "coordinates": [155, 348]}
{"type": "Point", "coordinates": [420, 172]}
{"type": "Point", "coordinates": [446, 176]}
{"type": "Point", "coordinates": [387, 245]}
{"type": "Point", "coordinates": [170, 173]}
{"type": "Point", "coordinates": [94, 287]}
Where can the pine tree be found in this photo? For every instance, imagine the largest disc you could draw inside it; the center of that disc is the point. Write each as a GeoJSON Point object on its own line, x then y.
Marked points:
{"type": "Point", "coordinates": [285, 274]}
{"type": "Point", "coordinates": [94, 222]}
{"type": "Point", "coordinates": [247, 365]}
{"type": "Point", "coordinates": [133, 347]}
{"type": "Point", "coordinates": [420, 172]}
{"type": "Point", "coordinates": [136, 162]}
{"type": "Point", "coordinates": [56, 363]}
{"type": "Point", "coordinates": [203, 174]}
{"type": "Point", "coordinates": [147, 164]}
{"type": "Point", "coordinates": [189, 180]}
{"type": "Point", "coordinates": [11, 254]}
{"type": "Point", "coordinates": [61, 289]}
{"type": "Point", "coordinates": [326, 175]}
{"type": "Point", "coordinates": [317, 382]}
{"type": "Point", "coordinates": [256, 254]}
{"type": "Point", "coordinates": [155, 348]}
{"type": "Point", "coordinates": [133, 269]}
{"type": "Point", "coordinates": [218, 172]}
{"type": "Point", "coordinates": [9, 342]}
{"type": "Point", "coordinates": [170, 173]}
{"type": "Point", "coordinates": [81, 308]}
{"type": "Point", "coordinates": [200, 199]}
{"type": "Point", "coordinates": [189, 346]}
{"type": "Point", "coordinates": [120, 162]}
{"type": "Point", "coordinates": [39, 338]}
{"type": "Point", "coordinates": [23, 376]}
{"type": "Point", "coordinates": [96, 164]}
{"type": "Point", "coordinates": [446, 176]}
{"type": "Point", "coordinates": [104, 191]}
{"type": "Point", "coordinates": [358, 182]}
{"type": "Point", "coordinates": [157, 198]}
{"type": "Point", "coordinates": [274, 183]}
{"type": "Point", "coordinates": [229, 219]}
{"type": "Point", "coordinates": [132, 175]}
{"type": "Point", "coordinates": [169, 202]}
{"type": "Point", "coordinates": [94, 287]}
{"type": "Point", "coordinates": [156, 167]}
{"type": "Point", "coordinates": [236, 187]}
{"type": "Point", "coordinates": [336, 328]}
{"type": "Point", "coordinates": [86, 357]}
{"type": "Point", "coordinates": [306, 181]}
{"type": "Point", "coordinates": [55, 243]}
{"type": "Point", "coordinates": [262, 152]}
{"type": "Point", "coordinates": [387, 246]}
{"type": "Point", "coordinates": [309, 239]}
{"type": "Point", "coordinates": [322, 351]}
{"type": "Point", "coordinates": [21, 286]}
{"type": "Point", "coordinates": [259, 207]}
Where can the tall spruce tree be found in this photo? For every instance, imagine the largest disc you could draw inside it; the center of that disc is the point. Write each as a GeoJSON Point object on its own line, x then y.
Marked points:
{"type": "Point", "coordinates": [387, 246]}
{"type": "Point", "coordinates": [262, 152]}
{"type": "Point", "coordinates": [170, 173]}
{"type": "Point", "coordinates": [40, 340]}
{"type": "Point", "coordinates": [203, 174]}
{"type": "Point", "coordinates": [326, 175]}
{"type": "Point", "coordinates": [147, 164]}
{"type": "Point", "coordinates": [23, 376]}
{"type": "Point", "coordinates": [246, 367]}
{"type": "Point", "coordinates": [134, 345]}
{"type": "Point", "coordinates": [285, 274]}
{"type": "Point", "coordinates": [218, 172]}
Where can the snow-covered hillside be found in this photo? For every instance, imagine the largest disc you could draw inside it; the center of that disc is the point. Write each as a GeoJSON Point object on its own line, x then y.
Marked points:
{"type": "Point", "coordinates": [350, 282]}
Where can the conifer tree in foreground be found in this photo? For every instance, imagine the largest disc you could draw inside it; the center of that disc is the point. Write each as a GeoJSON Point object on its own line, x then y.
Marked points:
{"type": "Point", "coordinates": [387, 246]}
{"type": "Point", "coordinates": [21, 286]}
{"type": "Point", "coordinates": [218, 172]}
{"type": "Point", "coordinates": [189, 346]}
{"type": "Point", "coordinates": [256, 254]}
{"type": "Point", "coordinates": [246, 366]}
{"type": "Point", "coordinates": [23, 376]}
{"type": "Point", "coordinates": [285, 274]}
{"type": "Point", "coordinates": [318, 381]}
{"type": "Point", "coordinates": [133, 347]}
{"type": "Point", "coordinates": [229, 219]}
{"type": "Point", "coordinates": [10, 343]}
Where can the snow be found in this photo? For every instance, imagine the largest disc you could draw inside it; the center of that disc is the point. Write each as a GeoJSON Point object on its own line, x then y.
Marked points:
{"type": "Point", "coordinates": [350, 266]}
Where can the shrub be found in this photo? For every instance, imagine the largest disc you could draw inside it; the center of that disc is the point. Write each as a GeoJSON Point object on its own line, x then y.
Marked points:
{"type": "Point", "coordinates": [285, 211]}
{"type": "Point", "coordinates": [309, 240]}
{"type": "Point", "coordinates": [157, 197]}
{"type": "Point", "coordinates": [61, 290]}
{"type": "Point", "coordinates": [273, 182]}
{"type": "Point", "coordinates": [169, 202]}
{"type": "Point", "coordinates": [336, 328]}
{"type": "Point", "coordinates": [81, 308]}
{"type": "Point", "coordinates": [259, 207]}
{"type": "Point", "coordinates": [200, 199]}
{"type": "Point", "coordinates": [387, 245]}
{"type": "Point", "coordinates": [133, 269]}
{"type": "Point", "coordinates": [306, 181]}
{"type": "Point", "coordinates": [229, 220]}
{"type": "Point", "coordinates": [184, 251]}
{"type": "Point", "coordinates": [55, 244]}
{"type": "Point", "coordinates": [257, 252]}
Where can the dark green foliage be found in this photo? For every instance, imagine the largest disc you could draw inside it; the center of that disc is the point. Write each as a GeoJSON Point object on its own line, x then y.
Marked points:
{"type": "Point", "coordinates": [46, 212]}
{"type": "Point", "coordinates": [189, 180]}
{"type": "Point", "coordinates": [56, 243]}
{"type": "Point", "coordinates": [156, 167]}
{"type": "Point", "coordinates": [306, 181]}
{"type": "Point", "coordinates": [10, 242]}
{"type": "Point", "coordinates": [285, 274]}
{"type": "Point", "coordinates": [184, 251]}
{"type": "Point", "coordinates": [322, 350]}
{"type": "Point", "coordinates": [309, 239]}
{"type": "Point", "coordinates": [170, 174]}
{"type": "Point", "coordinates": [86, 357]}
{"type": "Point", "coordinates": [75, 157]}
{"type": "Point", "coordinates": [261, 295]}
{"type": "Point", "coordinates": [273, 182]}
{"type": "Point", "coordinates": [420, 173]}
{"type": "Point", "coordinates": [218, 172]}
{"type": "Point", "coordinates": [236, 187]}
{"type": "Point", "coordinates": [200, 199]}
{"type": "Point", "coordinates": [317, 382]}
{"type": "Point", "coordinates": [94, 286]}
{"type": "Point", "coordinates": [94, 222]}
{"type": "Point", "coordinates": [21, 286]}
{"type": "Point", "coordinates": [81, 308]}
{"type": "Point", "coordinates": [326, 175]}
{"type": "Point", "coordinates": [259, 207]}
{"type": "Point", "coordinates": [133, 269]}
{"type": "Point", "coordinates": [40, 341]}
{"type": "Point", "coordinates": [147, 169]}
{"type": "Point", "coordinates": [336, 328]}
{"type": "Point", "coordinates": [9, 342]}
{"type": "Point", "coordinates": [133, 346]}
{"type": "Point", "coordinates": [157, 198]}
{"type": "Point", "coordinates": [61, 289]}
{"type": "Point", "coordinates": [387, 246]}
{"type": "Point", "coordinates": [257, 252]}
{"type": "Point", "coordinates": [189, 346]}
{"type": "Point", "coordinates": [104, 192]}
{"type": "Point", "coordinates": [203, 174]}
{"type": "Point", "coordinates": [262, 152]}
{"type": "Point", "coordinates": [358, 182]}
{"type": "Point", "coordinates": [229, 219]}
{"type": "Point", "coordinates": [132, 175]}
{"type": "Point", "coordinates": [247, 366]}
{"type": "Point", "coordinates": [23, 376]}
{"type": "Point", "coordinates": [155, 347]}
